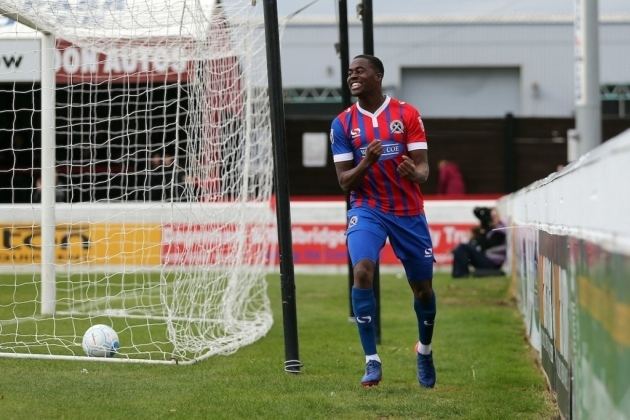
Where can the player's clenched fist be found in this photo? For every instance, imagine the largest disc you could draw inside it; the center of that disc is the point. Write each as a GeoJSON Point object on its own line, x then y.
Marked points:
{"type": "Point", "coordinates": [406, 168]}
{"type": "Point", "coordinates": [374, 151]}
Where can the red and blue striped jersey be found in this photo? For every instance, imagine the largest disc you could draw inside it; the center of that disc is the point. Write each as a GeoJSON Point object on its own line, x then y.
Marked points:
{"type": "Point", "coordinates": [399, 127]}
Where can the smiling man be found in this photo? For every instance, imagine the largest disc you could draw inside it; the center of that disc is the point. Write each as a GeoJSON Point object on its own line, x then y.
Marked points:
{"type": "Point", "coordinates": [380, 152]}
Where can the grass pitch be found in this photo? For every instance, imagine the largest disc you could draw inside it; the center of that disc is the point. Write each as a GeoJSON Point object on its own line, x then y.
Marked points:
{"type": "Point", "coordinates": [485, 367]}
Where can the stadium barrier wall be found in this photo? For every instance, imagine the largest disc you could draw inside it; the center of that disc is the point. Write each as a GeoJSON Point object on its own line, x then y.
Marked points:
{"type": "Point", "coordinates": [135, 236]}
{"type": "Point", "coordinates": [569, 255]}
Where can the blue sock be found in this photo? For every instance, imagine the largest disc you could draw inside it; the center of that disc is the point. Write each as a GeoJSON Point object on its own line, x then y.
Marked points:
{"type": "Point", "coordinates": [425, 312]}
{"type": "Point", "coordinates": [364, 307]}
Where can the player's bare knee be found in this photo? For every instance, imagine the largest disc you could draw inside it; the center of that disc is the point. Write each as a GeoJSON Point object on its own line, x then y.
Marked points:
{"type": "Point", "coordinates": [363, 274]}
{"type": "Point", "coordinates": [425, 295]}
{"type": "Point", "coordinates": [422, 290]}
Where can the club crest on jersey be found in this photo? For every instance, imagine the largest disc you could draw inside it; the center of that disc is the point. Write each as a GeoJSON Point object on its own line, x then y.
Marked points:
{"type": "Point", "coordinates": [355, 132]}
{"type": "Point", "coordinates": [396, 127]}
{"type": "Point", "coordinates": [353, 221]}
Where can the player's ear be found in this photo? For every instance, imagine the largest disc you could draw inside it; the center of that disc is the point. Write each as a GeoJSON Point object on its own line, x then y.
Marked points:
{"type": "Point", "coordinates": [380, 76]}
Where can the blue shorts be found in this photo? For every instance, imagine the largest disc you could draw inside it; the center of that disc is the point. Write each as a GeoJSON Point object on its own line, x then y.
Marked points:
{"type": "Point", "coordinates": [409, 236]}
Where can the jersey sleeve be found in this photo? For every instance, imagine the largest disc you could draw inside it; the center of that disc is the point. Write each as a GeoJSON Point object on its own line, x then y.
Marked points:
{"type": "Point", "coordinates": [339, 143]}
{"type": "Point", "coordinates": [416, 136]}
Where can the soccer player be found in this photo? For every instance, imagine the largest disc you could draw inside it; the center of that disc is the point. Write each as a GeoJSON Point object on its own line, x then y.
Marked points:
{"type": "Point", "coordinates": [380, 152]}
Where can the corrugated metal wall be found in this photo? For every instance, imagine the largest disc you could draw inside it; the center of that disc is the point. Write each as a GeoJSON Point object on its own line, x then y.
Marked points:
{"type": "Point", "coordinates": [541, 49]}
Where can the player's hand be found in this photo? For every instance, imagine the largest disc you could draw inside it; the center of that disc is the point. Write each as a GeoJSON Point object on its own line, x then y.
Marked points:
{"type": "Point", "coordinates": [374, 151]}
{"type": "Point", "coordinates": [407, 168]}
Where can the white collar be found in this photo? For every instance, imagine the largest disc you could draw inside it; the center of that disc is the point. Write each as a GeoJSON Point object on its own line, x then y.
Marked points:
{"type": "Point", "coordinates": [378, 111]}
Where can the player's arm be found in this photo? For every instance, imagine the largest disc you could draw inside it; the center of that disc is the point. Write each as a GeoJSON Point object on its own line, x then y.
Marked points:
{"type": "Point", "coordinates": [350, 176]}
{"type": "Point", "coordinates": [415, 167]}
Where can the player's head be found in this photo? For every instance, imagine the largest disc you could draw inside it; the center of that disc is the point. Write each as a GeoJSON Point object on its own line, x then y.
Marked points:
{"type": "Point", "coordinates": [365, 75]}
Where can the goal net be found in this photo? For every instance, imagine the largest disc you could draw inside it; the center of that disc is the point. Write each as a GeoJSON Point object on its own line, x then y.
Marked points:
{"type": "Point", "coordinates": [135, 177]}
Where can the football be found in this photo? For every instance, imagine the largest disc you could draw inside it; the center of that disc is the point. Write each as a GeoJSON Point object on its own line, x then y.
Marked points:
{"type": "Point", "coordinates": [100, 341]}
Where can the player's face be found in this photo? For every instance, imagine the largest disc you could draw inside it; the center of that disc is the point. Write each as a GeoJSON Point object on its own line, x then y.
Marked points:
{"type": "Point", "coordinates": [363, 78]}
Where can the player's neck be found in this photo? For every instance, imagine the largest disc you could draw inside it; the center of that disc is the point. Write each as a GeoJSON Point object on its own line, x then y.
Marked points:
{"type": "Point", "coordinates": [373, 102]}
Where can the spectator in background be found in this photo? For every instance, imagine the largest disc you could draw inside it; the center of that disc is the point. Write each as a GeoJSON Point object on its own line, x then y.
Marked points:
{"type": "Point", "coordinates": [164, 179]}
{"type": "Point", "coordinates": [60, 192]}
{"type": "Point", "coordinates": [450, 180]}
{"type": "Point", "coordinates": [485, 251]}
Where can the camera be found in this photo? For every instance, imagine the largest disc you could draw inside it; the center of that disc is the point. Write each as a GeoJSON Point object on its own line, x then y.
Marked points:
{"type": "Point", "coordinates": [484, 214]}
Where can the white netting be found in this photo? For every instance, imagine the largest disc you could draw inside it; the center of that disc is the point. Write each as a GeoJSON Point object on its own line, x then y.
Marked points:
{"type": "Point", "coordinates": [163, 223]}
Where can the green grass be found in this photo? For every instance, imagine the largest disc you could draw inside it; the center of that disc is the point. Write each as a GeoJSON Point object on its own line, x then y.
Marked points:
{"type": "Point", "coordinates": [81, 299]}
{"type": "Point", "coordinates": [485, 367]}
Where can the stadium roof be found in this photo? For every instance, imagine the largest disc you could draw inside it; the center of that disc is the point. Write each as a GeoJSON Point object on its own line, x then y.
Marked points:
{"type": "Point", "coordinates": [454, 10]}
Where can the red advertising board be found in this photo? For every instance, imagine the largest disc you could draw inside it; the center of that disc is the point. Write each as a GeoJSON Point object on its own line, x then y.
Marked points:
{"type": "Point", "coordinates": [313, 244]}
{"type": "Point", "coordinates": [316, 244]}
{"type": "Point", "coordinates": [76, 64]}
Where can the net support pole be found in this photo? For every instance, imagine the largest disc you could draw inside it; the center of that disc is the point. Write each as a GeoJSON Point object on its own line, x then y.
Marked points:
{"type": "Point", "coordinates": [588, 119]}
{"type": "Point", "coordinates": [367, 23]}
{"type": "Point", "coordinates": [292, 362]}
{"type": "Point", "coordinates": [48, 174]}
{"type": "Point", "coordinates": [368, 27]}
{"type": "Point", "coordinates": [344, 61]}
{"type": "Point", "coordinates": [344, 54]}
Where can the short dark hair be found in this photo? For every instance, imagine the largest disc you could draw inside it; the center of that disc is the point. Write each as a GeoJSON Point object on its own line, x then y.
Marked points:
{"type": "Point", "coordinates": [374, 61]}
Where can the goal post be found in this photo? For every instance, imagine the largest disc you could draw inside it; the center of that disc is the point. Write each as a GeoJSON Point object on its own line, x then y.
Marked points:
{"type": "Point", "coordinates": [48, 173]}
{"type": "Point", "coordinates": [139, 178]}
{"type": "Point", "coordinates": [292, 363]}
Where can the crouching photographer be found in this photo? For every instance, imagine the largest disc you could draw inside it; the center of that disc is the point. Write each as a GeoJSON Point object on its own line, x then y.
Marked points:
{"type": "Point", "coordinates": [486, 249]}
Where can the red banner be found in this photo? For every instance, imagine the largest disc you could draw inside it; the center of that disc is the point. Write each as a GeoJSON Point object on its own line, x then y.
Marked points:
{"type": "Point", "coordinates": [313, 244]}
{"type": "Point", "coordinates": [326, 244]}
{"type": "Point", "coordinates": [76, 64]}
